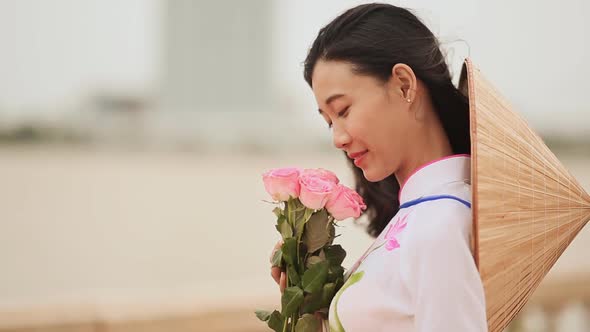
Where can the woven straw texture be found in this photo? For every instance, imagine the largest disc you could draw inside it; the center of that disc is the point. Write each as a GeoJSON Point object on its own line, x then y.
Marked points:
{"type": "Point", "coordinates": [527, 208]}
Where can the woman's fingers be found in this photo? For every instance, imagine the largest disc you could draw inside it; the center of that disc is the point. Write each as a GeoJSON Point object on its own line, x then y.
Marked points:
{"type": "Point", "coordinates": [277, 247]}
{"type": "Point", "coordinates": [320, 319]}
{"type": "Point", "coordinates": [280, 277]}
{"type": "Point", "coordinates": [275, 272]}
{"type": "Point", "coordinates": [283, 282]}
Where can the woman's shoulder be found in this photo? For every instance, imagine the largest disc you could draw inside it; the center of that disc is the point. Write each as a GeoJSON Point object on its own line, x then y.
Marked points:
{"type": "Point", "coordinates": [438, 221]}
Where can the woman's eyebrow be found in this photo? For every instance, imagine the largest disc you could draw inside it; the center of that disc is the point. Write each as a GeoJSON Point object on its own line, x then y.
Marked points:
{"type": "Point", "coordinates": [333, 97]}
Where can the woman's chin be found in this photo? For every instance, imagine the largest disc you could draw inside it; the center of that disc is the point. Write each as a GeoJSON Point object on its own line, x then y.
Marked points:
{"type": "Point", "coordinates": [371, 176]}
{"type": "Point", "coordinates": [374, 174]}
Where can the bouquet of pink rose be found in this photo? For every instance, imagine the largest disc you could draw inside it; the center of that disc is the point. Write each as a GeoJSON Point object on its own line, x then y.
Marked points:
{"type": "Point", "coordinates": [309, 200]}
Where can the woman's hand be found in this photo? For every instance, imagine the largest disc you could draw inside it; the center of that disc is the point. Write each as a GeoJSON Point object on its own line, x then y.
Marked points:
{"type": "Point", "coordinates": [277, 274]}
{"type": "Point", "coordinates": [280, 278]}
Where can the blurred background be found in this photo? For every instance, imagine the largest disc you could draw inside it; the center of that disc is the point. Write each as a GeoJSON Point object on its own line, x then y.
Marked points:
{"type": "Point", "coordinates": [133, 136]}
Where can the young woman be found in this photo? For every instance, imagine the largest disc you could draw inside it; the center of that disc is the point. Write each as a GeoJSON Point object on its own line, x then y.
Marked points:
{"type": "Point", "coordinates": [382, 85]}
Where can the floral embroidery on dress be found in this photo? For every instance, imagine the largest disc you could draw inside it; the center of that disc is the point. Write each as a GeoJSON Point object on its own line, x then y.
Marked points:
{"type": "Point", "coordinates": [394, 230]}
{"type": "Point", "coordinates": [390, 244]}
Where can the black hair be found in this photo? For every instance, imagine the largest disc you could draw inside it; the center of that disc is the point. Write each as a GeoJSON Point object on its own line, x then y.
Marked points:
{"type": "Point", "coordinates": [373, 38]}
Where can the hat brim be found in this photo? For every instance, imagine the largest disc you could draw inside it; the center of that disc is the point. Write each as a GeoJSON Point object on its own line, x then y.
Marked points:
{"type": "Point", "coordinates": [527, 207]}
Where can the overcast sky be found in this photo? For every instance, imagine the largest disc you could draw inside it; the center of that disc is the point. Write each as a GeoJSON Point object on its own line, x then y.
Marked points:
{"type": "Point", "coordinates": [53, 52]}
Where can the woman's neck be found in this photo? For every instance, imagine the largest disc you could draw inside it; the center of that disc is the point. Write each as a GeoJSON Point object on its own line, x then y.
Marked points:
{"type": "Point", "coordinates": [430, 142]}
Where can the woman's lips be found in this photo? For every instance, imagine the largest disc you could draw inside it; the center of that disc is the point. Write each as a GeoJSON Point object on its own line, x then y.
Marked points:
{"type": "Point", "coordinates": [358, 158]}
{"type": "Point", "coordinates": [356, 154]}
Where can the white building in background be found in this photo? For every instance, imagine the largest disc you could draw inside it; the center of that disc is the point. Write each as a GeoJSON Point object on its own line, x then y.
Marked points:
{"type": "Point", "coordinates": [203, 71]}
{"type": "Point", "coordinates": [217, 76]}
{"type": "Point", "coordinates": [196, 73]}
{"type": "Point", "coordinates": [217, 56]}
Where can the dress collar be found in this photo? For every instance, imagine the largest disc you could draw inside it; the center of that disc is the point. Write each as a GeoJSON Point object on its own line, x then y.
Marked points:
{"type": "Point", "coordinates": [427, 178]}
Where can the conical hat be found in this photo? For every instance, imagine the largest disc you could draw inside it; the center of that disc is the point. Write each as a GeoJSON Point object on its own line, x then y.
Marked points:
{"type": "Point", "coordinates": [527, 207]}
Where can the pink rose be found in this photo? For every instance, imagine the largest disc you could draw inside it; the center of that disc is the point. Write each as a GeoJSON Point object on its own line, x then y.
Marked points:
{"type": "Point", "coordinates": [282, 183]}
{"type": "Point", "coordinates": [321, 173]}
{"type": "Point", "coordinates": [345, 203]}
{"type": "Point", "coordinates": [316, 187]}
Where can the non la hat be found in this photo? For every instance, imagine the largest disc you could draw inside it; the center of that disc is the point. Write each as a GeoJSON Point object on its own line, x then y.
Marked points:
{"type": "Point", "coordinates": [527, 208]}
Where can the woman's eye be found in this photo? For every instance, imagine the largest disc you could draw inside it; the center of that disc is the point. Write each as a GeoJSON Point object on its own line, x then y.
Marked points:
{"type": "Point", "coordinates": [341, 113]}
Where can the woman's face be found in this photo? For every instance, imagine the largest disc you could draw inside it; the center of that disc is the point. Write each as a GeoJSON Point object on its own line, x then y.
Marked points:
{"type": "Point", "coordinates": [366, 115]}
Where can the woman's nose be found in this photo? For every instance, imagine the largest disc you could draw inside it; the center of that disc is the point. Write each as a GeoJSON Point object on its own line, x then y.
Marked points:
{"type": "Point", "coordinates": [340, 138]}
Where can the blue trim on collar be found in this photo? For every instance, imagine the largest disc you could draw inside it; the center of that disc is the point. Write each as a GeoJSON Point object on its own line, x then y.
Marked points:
{"type": "Point", "coordinates": [433, 198]}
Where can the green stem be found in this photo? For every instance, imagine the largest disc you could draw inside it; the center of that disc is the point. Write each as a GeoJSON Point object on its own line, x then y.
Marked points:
{"type": "Point", "coordinates": [286, 318]}
{"type": "Point", "coordinates": [290, 210]}
{"type": "Point", "coordinates": [298, 244]}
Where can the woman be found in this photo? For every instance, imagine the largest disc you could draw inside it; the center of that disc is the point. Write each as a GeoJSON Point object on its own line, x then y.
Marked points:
{"type": "Point", "coordinates": [384, 89]}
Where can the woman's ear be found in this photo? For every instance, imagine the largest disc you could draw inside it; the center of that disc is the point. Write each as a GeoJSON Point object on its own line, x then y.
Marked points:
{"type": "Point", "coordinates": [404, 81]}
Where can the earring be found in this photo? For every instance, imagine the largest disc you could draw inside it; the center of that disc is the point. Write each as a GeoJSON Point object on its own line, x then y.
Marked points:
{"type": "Point", "coordinates": [409, 100]}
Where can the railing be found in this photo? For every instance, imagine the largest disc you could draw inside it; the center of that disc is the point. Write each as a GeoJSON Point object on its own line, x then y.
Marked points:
{"type": "Point", "coordinates": [558, 305]}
